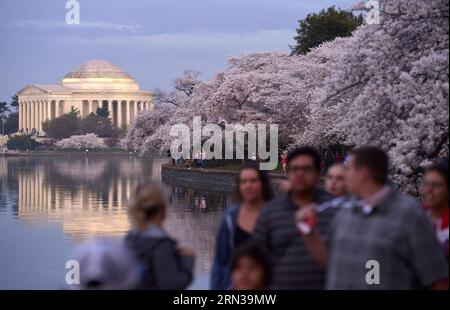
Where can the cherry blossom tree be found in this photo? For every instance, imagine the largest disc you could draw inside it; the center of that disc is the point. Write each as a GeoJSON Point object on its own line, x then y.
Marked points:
{"type": "Point", "coordinates": [390, 88]}
{"type": "Point", "coordinates": [385, 85]}
{"type": "Point", "coordinates": [270, 88]}
{"type": "Point", "coordinates": [187, 82]}
{"type": "Point", "coordinates": [81, 142]}
{"type": "Point", "coordinates": [184, 87]}
{"type": "Point", "coordinates": [150, 132]}
{"type": "Point", "coordinates": [254, 88]}
{"type": "Point", "coordinates": [145, 125]}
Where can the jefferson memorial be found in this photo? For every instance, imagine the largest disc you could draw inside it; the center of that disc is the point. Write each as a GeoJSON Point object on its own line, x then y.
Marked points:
{"type": "Point", "coordinates": [92, 84]}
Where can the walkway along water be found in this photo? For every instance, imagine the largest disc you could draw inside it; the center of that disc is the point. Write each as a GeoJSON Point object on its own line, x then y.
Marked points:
{"type": "Point", "coordinates": [214, 179]}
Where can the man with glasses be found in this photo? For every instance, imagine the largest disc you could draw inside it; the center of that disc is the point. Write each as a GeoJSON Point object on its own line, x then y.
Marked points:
{"type": "Point", "coordinates": [383, 241]}
{"type": "Point", "coordinates": [294, 268]}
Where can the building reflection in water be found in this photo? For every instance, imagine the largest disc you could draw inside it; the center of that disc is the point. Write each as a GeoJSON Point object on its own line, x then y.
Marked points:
{"type": "Point", "coordinates": [88, 197]}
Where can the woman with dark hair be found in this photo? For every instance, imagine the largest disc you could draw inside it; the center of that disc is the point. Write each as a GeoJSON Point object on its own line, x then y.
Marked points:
{"type": "Point", "coordinates": [238, 222]}
{"type": "Point", "coordinates": [435, 193]}
{"type": "Point", "coordinates": [250, 268]}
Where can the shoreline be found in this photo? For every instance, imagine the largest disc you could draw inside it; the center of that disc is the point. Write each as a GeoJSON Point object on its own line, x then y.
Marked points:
{"type": "Point", "coordinates": [64, 153]}
{"type": "Point", "coordinates": [212, 179]}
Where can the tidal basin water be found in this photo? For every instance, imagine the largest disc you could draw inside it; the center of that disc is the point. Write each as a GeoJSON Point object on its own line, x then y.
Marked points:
{"type": "Point", "coordinates": [50, 204]}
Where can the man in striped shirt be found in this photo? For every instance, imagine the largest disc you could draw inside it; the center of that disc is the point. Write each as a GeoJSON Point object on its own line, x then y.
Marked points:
{"type": "Point", "coordinates": [383, 241]}
{"type": "Point", "coordinates": [294, 268]}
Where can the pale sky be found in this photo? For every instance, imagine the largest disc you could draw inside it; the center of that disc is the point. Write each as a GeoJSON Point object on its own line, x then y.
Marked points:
{"type": "Point", "coordinates": [153, 40]}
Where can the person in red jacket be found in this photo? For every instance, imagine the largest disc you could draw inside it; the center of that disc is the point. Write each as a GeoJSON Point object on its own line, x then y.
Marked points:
{"type": "Point", "coordinates": [435, 193]}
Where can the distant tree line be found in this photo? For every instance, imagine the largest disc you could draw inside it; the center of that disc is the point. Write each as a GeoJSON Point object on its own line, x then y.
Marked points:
{"type": "Point", "coordinates": [22, 142]}
{"type": "Point", "coordinates": [71, 124]}
{"type": "Point", "coordinates": [9, 120]}
{"type": "Point", "coordinates": [324, 26]}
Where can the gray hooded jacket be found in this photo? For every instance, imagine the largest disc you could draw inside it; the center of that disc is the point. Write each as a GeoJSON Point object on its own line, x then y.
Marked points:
{"type": "Point", "coordinates": [164, 267]}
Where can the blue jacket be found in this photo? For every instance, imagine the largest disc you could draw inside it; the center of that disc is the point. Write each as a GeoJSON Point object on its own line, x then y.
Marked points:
{"type": "Point", "coordinates": [220, 274]}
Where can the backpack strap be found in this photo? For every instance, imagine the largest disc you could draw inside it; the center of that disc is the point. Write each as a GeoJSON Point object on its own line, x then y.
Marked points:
{"type": "Point", "coordinates": [230, 227]}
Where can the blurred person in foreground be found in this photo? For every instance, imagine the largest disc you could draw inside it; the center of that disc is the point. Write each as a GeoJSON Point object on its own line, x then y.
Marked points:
{"type": "Point", "coordinates": [166, 265]}
{"type": "Point", "coordinates": [250, 267]}
{"type": "Point", "coordinates": [435, 193]}
{"type": "Point", "coordinates": [335, 180]}
{"type": "Point", "coordinates": [294, 268]}
{"type": "Point", "coordinates": [238, 222]}
{"type": "Point", "coordinates": [105, 264]}
{"type": "Point", "coordinates": [383, 228]}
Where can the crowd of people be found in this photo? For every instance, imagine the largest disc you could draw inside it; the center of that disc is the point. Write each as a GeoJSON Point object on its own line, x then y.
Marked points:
{"type": "Point", "coordinates": [355, 232]}
{"type": "Point", "coordinates": [199, 160]}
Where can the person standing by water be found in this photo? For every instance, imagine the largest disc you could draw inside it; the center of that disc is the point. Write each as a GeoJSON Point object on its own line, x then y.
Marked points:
{"type": "Point", "coordinates": [284, 161]}
{"type": "Point", "coordinates": [238, 222]}
{"type": "Point", "coordinates": [294, 268]}
{"type": "Point", "coordinates": [203, 161]}
{"type": "Point", "coordinates": [435, 193]}
{"type": "Point", "coordinates": [166, 265]}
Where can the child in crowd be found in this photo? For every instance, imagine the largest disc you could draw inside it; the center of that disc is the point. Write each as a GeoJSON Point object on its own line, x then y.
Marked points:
{"type": "Point", "coordinates": [250, 268]}
{"type": "Point", "coordinates": [166, 266]}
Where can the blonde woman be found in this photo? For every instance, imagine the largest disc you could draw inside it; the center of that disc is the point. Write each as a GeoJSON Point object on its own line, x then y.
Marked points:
{"type": "Point", "coordinates": [166, 265]}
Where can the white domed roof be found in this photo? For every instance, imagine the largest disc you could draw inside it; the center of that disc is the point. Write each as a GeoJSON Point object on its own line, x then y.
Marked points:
{"type": "Point", "coordinates": [98, 69]}
{"type": "Point", "coordinates": [99, 75]}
